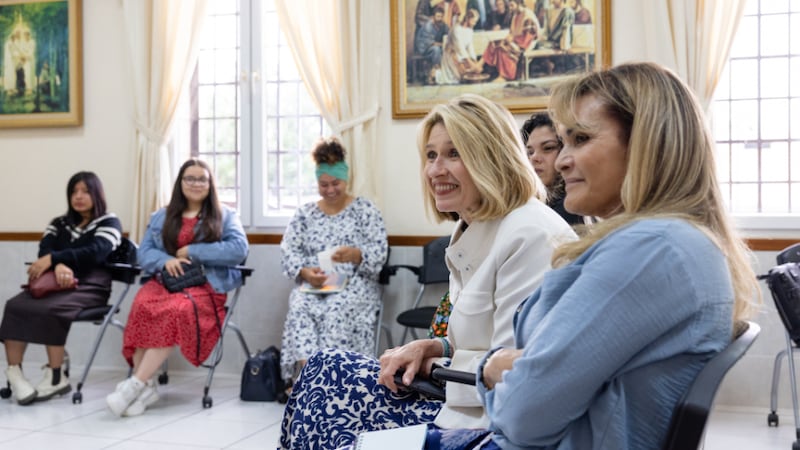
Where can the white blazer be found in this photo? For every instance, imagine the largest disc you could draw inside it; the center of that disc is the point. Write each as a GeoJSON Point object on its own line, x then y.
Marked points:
{"type": "Point", "coordinates": [494, 266]}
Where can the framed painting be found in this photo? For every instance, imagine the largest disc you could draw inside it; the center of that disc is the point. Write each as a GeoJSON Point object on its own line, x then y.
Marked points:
{"type": "Point", "coordinates": [40, 63]}
{"type": "Point", "coordinates": [510, 51]}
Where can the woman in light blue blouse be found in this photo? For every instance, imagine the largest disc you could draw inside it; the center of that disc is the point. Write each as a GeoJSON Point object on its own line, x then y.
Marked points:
{"type": "Point", "coordinates": [617, 332]}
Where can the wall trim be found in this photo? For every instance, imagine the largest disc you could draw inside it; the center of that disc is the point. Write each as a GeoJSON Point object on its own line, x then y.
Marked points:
{"type": "Point", "coordinates": [756, 244]}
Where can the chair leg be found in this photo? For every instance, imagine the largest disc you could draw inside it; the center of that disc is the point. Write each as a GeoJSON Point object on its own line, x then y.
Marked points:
{"type": "Point", "coordinates": [772, 418]}
{"type": "Point", "coordinates": [793, 381]}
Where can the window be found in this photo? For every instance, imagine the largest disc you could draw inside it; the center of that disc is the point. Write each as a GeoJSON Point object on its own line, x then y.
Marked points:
{"type": "Point", "coordinates": [756, 106]}
{"type": "Point", "coordinates": [250, 115]}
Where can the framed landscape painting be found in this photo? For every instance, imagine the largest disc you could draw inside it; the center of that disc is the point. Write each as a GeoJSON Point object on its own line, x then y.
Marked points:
{"type": "Point", "coordinates": [40, 63]}
{"type": "Point", "coordinates": [510, 51]}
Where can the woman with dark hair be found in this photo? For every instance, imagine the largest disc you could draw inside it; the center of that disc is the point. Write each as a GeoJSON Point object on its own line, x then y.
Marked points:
{"type": "Point", "coordinates": [193, 229]}
{"type": "Point", "coordinates": [74, 246]}
{"type": "Point", "coordinates": [542, 144]}
{"type": "Point", "coordinates": [352, 228]}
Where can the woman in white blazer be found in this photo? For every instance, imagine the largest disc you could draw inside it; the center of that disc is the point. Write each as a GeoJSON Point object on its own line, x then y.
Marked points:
{"type": "Point", "coordinates": [475, 172]}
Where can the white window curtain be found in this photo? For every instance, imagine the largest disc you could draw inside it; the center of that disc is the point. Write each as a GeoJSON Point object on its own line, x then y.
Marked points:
{"type": "Point", "coordinates": [695, 40]}
{"type": "Point", "coordinates": [163, 43]}
{"type": "Point", "coordinates": [337, 48]}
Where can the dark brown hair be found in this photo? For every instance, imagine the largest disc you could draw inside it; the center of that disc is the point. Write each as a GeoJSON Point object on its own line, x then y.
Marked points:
{"type": "Point", "coordinates": [210, 214]}
{"type": "Point", "coordinates": [95, 188]}
{"type": "Point", "coordinates": [328, 151]}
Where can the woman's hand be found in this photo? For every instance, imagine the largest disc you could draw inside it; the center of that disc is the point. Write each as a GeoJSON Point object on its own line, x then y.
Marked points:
{"type": "Point", "coordinates": [347, 254]}
{"type": "Point", "coordinates": [40, 266]}
{"type": "Point", "coordinates": [64, 275]}
{"type": "Point", "coordinates": [499, 362]}
{"type": "Point", "coordinates": [414, 357]}
{"type": "Point", "coordinates": [173, 266]}
{"type": "Point", "coordinates": [183, 252]}
{"type": "Point", "coordinates": [314, 276]}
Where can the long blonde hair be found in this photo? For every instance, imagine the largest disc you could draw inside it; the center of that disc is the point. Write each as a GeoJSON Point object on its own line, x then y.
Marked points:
{"type": "Point", "coordinates": [486, 137]}
{"type": "Point", "coordinates": [670, 168]}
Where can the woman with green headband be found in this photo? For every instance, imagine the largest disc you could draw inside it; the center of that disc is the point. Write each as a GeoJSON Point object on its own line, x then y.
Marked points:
{"type": "Point", "coordinates": [351, 229]}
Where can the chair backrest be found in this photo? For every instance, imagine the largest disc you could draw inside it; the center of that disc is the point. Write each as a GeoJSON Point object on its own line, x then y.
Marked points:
{"type": "Point", "coordinates": [434, 269]}
{"type": "Point", "coordinates": [122, 262]}
{"type": "Point", "coordinates": [789, 254]}
{"type": "Point", "coordinates": [691, 413]}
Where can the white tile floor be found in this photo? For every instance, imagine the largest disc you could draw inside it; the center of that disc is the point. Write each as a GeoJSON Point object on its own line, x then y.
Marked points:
{"type": "Point", "coordinates": [178, 421]}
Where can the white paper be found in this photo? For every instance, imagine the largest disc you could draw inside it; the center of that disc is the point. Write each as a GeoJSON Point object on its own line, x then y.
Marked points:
{"type": "Point", "coordinates": [403, 438]}
{"type": "Point", "coordinates": [325, 262]}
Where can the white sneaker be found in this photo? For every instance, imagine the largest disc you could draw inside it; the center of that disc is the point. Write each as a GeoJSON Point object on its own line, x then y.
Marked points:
{"type": "Point", "coordinates": [146, 398]}
{"type": "Point", "coordinates": [127, 391]}
{"type": "Point", "coordinates": [46, 389]}
{"type": "Point", "coordinates": [22, 388]}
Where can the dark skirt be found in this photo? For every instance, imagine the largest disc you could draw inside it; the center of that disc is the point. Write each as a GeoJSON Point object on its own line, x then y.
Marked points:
{"type": "Point", "coordinates": [47, 320]}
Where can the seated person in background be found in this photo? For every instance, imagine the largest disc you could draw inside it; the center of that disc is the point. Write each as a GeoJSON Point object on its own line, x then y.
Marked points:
{"type": "Point", "coordinates": [459, 53]}
{"type": "Point", "coordinates": [353, 228]}
{"type": "Point", "coordinates": [193, 229]}
{"type": "Point", "coordinates": [429, 38]}
{"type": "Point", "coordinates": [582, 15]}
{"type": "Point", "coordinates": [500, 17]}
{"type": "Point", "coordinates": [74, 245]}
{"type": "Point", "coordinates": [473, 171]}
{"type": "Point", "coordinates": [502, 57]}
{"type": "Point", "coordinates": [558, 27]}
{"type": "Point", "coordinates": [616, 334]}
{"type": "Point", "coordinates": [543, 145]}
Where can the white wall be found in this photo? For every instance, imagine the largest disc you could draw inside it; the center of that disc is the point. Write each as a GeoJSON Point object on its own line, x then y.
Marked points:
{"type": "Point", "coordinates": [37, 163]}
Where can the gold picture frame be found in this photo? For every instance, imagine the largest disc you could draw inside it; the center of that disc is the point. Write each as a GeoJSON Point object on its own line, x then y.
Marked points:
{"type": "Point", "coordinates": [41, 79]}
{"type": "Point", "coordinates": [418, 82]}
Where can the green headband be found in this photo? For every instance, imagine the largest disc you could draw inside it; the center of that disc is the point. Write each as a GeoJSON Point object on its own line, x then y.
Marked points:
{"type": "Point", "coordinates": [337, 170]}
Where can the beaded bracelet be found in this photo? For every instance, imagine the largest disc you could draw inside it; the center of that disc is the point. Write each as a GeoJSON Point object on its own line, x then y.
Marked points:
{"type": "Point", "coordinates": [448, 351]}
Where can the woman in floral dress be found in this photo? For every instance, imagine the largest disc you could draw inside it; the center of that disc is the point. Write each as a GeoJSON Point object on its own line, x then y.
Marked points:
{"type": "Point", "coordinates": [193, 229]}
{"type": "Point", "coordinates": [352, 227]}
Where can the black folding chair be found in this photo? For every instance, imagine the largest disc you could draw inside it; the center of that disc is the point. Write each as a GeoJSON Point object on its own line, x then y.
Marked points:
{"type": "Point", "coordinates": [432, 271]}
{"type": "Point", "coordinates": [790, 254]}
{"type": "Point", "coordinates": [123, 267]}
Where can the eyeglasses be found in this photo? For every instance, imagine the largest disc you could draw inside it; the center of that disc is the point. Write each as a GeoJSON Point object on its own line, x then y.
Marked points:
{"type": "Point", "coordinates": [194, 181]}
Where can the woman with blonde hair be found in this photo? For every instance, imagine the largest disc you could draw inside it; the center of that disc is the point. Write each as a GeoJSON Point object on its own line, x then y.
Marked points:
{"type": "Point", "coordinates": [616, 334]}
{"type": "Point", "coordinates": [473, 171]}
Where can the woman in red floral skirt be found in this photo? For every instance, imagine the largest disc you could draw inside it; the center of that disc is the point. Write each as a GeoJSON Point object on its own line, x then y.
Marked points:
{"type": "Point", "coordinates": [193, 229]}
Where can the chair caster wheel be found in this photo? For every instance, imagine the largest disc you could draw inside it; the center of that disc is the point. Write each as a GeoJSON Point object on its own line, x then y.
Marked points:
{"type": "Point", "coordinates": [5, 392]}
{"type": "Point", "coordinates": [77, 398]}
{"type": "Point", "coordinates": [207, 402]}
{"type": "Point", "coordinates": [772, 419]}
{"type": "Point", "coordinates": [163, 378]}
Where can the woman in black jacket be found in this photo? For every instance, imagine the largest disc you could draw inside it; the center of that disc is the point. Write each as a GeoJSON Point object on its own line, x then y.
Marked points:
{"type": "Point", "coordinates": [74, 246]}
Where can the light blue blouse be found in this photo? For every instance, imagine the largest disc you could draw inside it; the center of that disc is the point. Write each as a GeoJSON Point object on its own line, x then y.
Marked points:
{"type": "Point", "coordinates": [217, 257]}
{"type": "Point", "coordinates": [612, 341]}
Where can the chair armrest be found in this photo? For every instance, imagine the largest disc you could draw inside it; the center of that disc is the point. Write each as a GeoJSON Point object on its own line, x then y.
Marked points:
{"type": "Point", "coordinates": [245, 271]}
{"type": "Point", "coordinates": [414, 269]}
{"type": "Point", "coordinates": [457, 376]}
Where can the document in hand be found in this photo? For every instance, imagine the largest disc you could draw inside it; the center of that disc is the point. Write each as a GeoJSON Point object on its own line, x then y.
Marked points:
{"type": "Point", "coordinates": [403, 438]}
{"type": "Point", "coordinates": [336, 282]}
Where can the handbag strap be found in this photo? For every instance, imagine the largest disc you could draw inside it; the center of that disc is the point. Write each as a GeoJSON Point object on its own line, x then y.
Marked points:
{"type": "Point", "coordinates": [197, 319]}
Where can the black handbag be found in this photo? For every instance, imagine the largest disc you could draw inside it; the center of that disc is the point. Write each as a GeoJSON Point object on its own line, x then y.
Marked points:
{"type": "Point", "coordinates": [193, 275]}
{"type": "Point", "coordinates": [261, 377]}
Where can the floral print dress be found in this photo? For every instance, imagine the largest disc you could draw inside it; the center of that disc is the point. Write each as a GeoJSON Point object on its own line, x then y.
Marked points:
{"type": "Point", "coordinates": [344, 320]}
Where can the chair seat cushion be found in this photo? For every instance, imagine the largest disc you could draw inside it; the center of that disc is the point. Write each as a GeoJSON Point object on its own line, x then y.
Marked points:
{"type": "Point", "coordinates": [92, 314]}
{"type": "Point", "coordinates": [417, 318]}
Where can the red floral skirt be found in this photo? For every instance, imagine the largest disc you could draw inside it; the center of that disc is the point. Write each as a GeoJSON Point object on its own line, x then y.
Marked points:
{"type": "Point", "coordinates": [159, 318]}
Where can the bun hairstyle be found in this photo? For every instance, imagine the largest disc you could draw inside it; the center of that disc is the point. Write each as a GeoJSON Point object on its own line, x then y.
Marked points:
{"type": "Point", "coordinates": [328, 151]}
